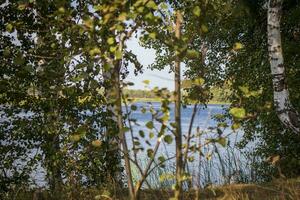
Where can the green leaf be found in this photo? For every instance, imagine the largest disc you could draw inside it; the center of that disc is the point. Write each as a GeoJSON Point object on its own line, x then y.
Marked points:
{"type": "Point", "coordinates": [235, 126]}
{"type": "Point", "coordinates": [133, 107]}
{"type": "Point", "coordinates": [150, 153]}
{"type": "Point", "coordinates": [6, 52]}
{"type": "Point", "coordinates": [149, 16]}
{"type": "Point", "coordinates": [142, 133]}
{"type": "Point", "coordinates": [239, 113]}
{"type": "Point", "coordinates": [161, 159]}
{"type": "Point", "coordinates": [94, 51]}
{"type": "Point", "coordinates": [197, 11]}
{"type": "Point", "coordinates": [192, 54]}
{"type": "Point", "coordinates": [81, 130]}
{"type": "Point", "coordinates": [140, 9]}
{"type": "Point", "coordinates": [150, 125]}
{"type": "Point", "coordinates": [19, 60]}
{"type": "Point", "coordinates": [126, 129]}
{"type": "Point", "coordinates": [9, 28]}
{"type": "Point", "coordinates": [168, 139]}
{"type": "Point", "coordinates": [191, 158]}
{"type": "Point", "coordinates": [137, 143]}
{"type": "Point", "coordinates": [244, 89]}
{"type": "Point", "coordinates": [22, 6]}
{"type": "Point", "coordinates": [143, 110]}
{"type": "Point", "coordinates": [163, 6]}
{"type": "Point", "coordinates": [204, 28]}
{"type": "Point", "coordinates": [151, 4]}
{"type": "Point", "coordinates": [151, 135]}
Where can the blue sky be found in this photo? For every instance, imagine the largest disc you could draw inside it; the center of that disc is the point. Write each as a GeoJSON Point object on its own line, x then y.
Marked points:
{"type": "Point", "coordinates": [146, 57]}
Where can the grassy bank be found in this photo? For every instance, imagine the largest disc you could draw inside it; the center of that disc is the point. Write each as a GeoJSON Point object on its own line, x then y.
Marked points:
{"type": "Point", "coordinates": [278, 189]}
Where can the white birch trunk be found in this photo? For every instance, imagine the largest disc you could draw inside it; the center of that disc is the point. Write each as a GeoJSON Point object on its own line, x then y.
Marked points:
{"type": "Point", "coordinates": [286, 113]}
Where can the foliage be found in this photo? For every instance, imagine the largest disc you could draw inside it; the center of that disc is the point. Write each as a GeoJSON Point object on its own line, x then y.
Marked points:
{"type": "Point", "coordinates": [63, 69]}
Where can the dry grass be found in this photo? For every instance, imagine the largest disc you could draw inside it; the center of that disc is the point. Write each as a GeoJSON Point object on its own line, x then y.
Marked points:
{"type": "Point", "coordinates": [276, 190]}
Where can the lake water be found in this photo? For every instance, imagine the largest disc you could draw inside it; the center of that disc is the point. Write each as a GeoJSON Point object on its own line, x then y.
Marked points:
{"type": "Point", "coordinates": [215, 164]}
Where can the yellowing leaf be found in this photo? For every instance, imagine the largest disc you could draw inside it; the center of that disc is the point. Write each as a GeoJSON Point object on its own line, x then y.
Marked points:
{"type": "Point", "coordinates": [22, 6]}
{"type": "Point", "coordinates": [244, 89]}
{"type": "Point", "coordinates": [140, 9]}
{"type": "Point", "coordinates": [107, 18]}
{"type": "Point", "coordinates": [208, 156]}
{"type": "Point", "coordinates": [197, 11]}
{"type": "Point", "coordinates": [89, 23]}
{"type": "Point", "coordinates": [152, 35]}
{"type": "Point", "coordinates": [118, 55]}
{"type": "Point", "coordinates": [84, 99]}
{"type": "Point", "coordinates": [96, 143]}
{"type": "Point", "coordinates": [146, 82]}
{"type": "Point", "coordinates": [166, 117]}
{"type": "Point", "coordinates": [112, 49]}
{"type": "Point", "coordinates": [166, 176]}
{"type": "Point", "coordinates": [75, 138]}
{"type": "Point", "coordinates": [151, 135]}
{"type": "Point", "coordinates": [95, 51]}
{"type": "Point", "coordinates": [110, 41]}
{"type": "Point", "coordinates": [199, 81]}
{"type": "Point", "coordinates": [238, 46]}
{"type": "Point", "coordinates": [235, 126]}
{"type": "Point", "coordinates": [186, 84]}
{"type": "Point", "coordinates": [222, 141]}
{"type": "Point", "coordinates": [122, 16]}
{"type": "Point", "coordinates": [61, 10]}
{"type": "Point", "coordinates": [239, 113]}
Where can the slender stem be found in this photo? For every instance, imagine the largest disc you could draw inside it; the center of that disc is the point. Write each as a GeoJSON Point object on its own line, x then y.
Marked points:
{"type": "Point", "coordinates": [188, 140]}
{"type": "Point", "coordinates": [177, 97]}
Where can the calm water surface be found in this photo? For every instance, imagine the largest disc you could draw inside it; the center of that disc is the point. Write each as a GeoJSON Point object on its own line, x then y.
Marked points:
{"type": "Point", "coordinates": [201, 168]}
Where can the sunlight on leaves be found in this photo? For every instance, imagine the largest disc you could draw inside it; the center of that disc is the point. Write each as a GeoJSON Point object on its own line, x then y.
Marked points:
{"type": "Point", "coordinates": [239, 113]}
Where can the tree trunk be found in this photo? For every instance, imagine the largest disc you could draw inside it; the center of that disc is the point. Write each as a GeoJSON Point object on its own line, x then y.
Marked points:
{"type": "Point", "coordinates": [285, 111]}
{"type": "Point", "coordinates": [121, 130]}
{"type": "Point", "coordinates": [51, 150]}
{"type": "Point", "coordinates": [177, 97]}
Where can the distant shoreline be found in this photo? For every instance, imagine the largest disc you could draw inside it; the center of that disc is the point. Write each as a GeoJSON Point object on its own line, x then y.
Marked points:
{"type": "Point", "coordinates": [158, 100]}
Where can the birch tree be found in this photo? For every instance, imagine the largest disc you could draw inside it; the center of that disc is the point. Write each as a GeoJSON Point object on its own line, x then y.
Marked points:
{"type": "Point", "coordinates": [284, 109]}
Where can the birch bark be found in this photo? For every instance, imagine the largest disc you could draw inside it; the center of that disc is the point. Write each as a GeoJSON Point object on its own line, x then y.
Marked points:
{"type": "Point", "coordinates": [286, 113]}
